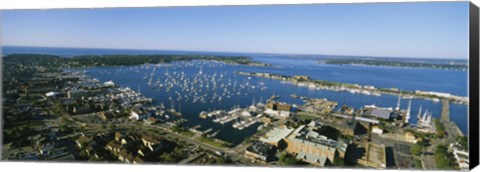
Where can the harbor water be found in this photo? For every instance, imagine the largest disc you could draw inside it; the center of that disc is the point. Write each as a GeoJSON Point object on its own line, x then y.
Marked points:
{"type": "Point", "coordinates": [196, 86]}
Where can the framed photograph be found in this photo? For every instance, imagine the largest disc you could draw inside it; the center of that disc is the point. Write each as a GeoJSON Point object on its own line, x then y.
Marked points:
{"type": "Point", "coordinates": [355, 85]}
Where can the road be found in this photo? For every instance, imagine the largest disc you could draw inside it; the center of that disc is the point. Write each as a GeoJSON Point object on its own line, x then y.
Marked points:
{"type": "Point", "coordinates": [235, 153]}
{"type": "Point", "coordinates": [428, 160]}
{"type": "Point", "coordinates": [402, 157]}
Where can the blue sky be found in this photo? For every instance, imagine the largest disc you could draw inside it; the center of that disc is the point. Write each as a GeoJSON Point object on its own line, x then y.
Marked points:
{"type": "Point", "coordinates": [429, 30]}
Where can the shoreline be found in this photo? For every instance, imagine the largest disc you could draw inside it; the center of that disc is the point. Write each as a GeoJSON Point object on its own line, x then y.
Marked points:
{"type": "Point", "coordinates": [399, 67]}
{"type": "Point", "coordinates": [361, 89]}
{"type": "Point", "coordinates": [394, 64]}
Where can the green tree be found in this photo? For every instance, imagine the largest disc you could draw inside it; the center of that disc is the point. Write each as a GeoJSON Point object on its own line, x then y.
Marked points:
{"type": "Point", "coordinates": [220, 160]}
{"type": "Point", "coordinates": [167, 157]}
{"type": "Point", "coordinates": [287, 159]}
{"type": "Point", "coordinates": [440, 128]}
{"type": "Point", "coordinates": [83, 153]}
{"type": "Point", "coordinates": [178, 152]}
{"type": "Point", "coordinates": [417, 149]}
{"type": "Point", "coordinates": [443, 160]}
{"type": "Point", "coordinates": [338, 162]}
{"type": "Point", "coordinates": [463, 142]}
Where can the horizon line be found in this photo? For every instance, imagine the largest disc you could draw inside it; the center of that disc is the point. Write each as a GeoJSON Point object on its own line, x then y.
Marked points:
{"type": "Point", "coordinates": [265, 53]}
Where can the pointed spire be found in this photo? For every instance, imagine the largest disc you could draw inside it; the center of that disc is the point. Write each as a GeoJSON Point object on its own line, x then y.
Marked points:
{"type": "Point", "coordinates": [429, 119]}
{"type": "Point", "coordinates": [419, 112]}
{"type": "Point", "coordinates": [424, 118]}
{"type": "Point", "coordinates": [407, 115]}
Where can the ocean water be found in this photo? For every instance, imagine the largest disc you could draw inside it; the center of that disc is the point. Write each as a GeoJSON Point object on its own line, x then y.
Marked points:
{"type": "Point", "coordinates": [190, 110]}
{"type": "Point", "coordinates": [449, 81]}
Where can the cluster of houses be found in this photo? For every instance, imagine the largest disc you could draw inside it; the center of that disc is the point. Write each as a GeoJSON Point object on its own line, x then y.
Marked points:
{"type": "Point", "coordinates": [47, 95]}
{"type": "Point", "coordinates": [133, 149]}
{"type": "Point", "coordinates": [91, 96]}
{"type": "Point", "coordinates": [87, 144]}
{"type": "Point", "coordinates": [42, 147]}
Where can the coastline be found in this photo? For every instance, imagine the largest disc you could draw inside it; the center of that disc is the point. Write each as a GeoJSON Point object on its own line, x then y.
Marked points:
{"type": "Point", "coordinates": [362, 89]}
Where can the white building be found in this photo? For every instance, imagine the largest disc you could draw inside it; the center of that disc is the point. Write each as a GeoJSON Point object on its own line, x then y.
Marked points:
{"type": "Point", "coordinates": [51, 94]}
{"type": "Point", "coordinates": [246, 114]}
{"type": "Point", "coordinates": [377, 130]}
{"type": "Point", "coordinates": [462, 157]}
{"type": "Point", "coordinates": [137, 115]}
{"type": "Point", "coordinates": [276, 113]}
{"type": "Point", "coordinates": [109, 84]}
{"type": "Point", "coordinates": [275, 135]}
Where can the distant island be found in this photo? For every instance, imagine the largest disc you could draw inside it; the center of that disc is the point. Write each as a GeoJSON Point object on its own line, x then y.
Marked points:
{"type": "Point", "coordinates": [84, 61]}
{"type": "Point", "coordinates": [394, 63]}
{"type": "Point", "coordinates": [306, 81]}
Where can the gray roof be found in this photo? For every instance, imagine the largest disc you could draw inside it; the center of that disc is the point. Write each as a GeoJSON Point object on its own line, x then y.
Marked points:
{"type": "Point", "coordinates": [342, 146]}
{"type": "Point", "coordinates": [312, 158]}
{"type": "Point", "coordinates": [326, 146]}
{"type": "Point", "coordinates": [260, 148]}
{"type": "Point", "coordinates": [381, 113]}
{"type": "Point", "coordinates": [276, 134]}
{"type": "Point", "coordinates": [302, 133]}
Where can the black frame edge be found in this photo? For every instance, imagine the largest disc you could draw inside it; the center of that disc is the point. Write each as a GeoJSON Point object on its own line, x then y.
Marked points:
{"type": "Point", "coordinates": [473, 86]}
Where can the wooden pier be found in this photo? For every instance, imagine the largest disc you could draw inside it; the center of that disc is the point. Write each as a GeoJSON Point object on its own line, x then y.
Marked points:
{"type": "Point", "coordinates": [445, 111]}
{"type": "Point", "coordinates": [450, 126]}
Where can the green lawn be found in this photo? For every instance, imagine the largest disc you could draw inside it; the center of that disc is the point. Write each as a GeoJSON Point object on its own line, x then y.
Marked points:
{"type": "Point", "coordinates": [443, 158]}
{"type": "Point", "coordinates": [214, 142]}
{"type": "Point", "coordinates": [186, 133]}
{"type": "Point", "coordinates": [440, 128]}
{"type": "Point", "coordinates": [418, 163]}
{"type": "Point", "coordinates": [307, 117]}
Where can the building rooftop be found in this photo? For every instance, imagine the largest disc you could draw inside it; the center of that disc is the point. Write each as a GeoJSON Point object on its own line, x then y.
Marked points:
{"type": "Point", "coordinates": [276, 134]}
{"type": "Point", "coordinates": [305, 134]}
{"type": "Point", "coordinates": [138, 160]}
{"type": "Point", "coordinates": [342, 146]}
{"type": "Point", "coordinates": [118, 135]}
{"type": "Point", "coordinates": [84, 139]}
{"type": "Point", "coordinates": [150, 139]}
{"type": "Point", "coordinates": [381, 113]}
{"type": "Point", "coordinates": [261, 148]}
{"type": "Point", "coordinates": [312, 158]}
{"type": "Point", "coordinates": [375, 156]}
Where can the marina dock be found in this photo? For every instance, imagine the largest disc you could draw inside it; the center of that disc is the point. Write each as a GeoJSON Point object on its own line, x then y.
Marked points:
{"type": "Point", "coordinates": [445, 111]}
{"type": "Point", "coordinates": [450, 126]}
